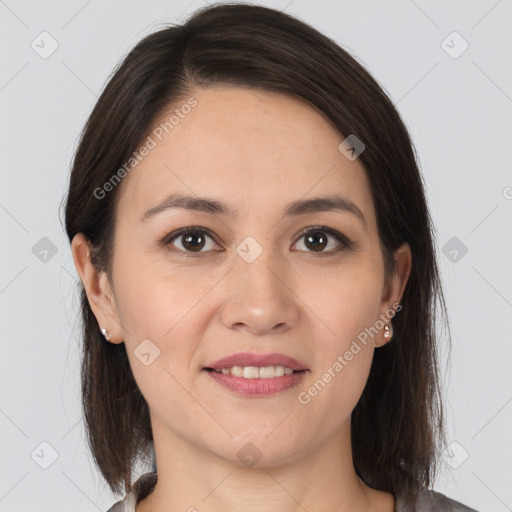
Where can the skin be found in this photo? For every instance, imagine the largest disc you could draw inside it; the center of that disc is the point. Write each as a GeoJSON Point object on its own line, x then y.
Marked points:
{"type": "Point", "coordinates": [256, 151]}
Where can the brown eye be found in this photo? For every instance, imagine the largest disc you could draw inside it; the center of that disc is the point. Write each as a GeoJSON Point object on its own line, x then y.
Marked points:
{"type": "Point", "coordinates": [191, 241]}
{"type": "Point", "coordinates": [323, 240]}
{"type": "Point", "coordinates": [316, 241]}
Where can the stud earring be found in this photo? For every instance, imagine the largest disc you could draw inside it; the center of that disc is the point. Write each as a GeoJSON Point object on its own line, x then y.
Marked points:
{"type": "Point", "coordinates": [106, 334]}
{"type": "Point", "coordinates": [388, 331]}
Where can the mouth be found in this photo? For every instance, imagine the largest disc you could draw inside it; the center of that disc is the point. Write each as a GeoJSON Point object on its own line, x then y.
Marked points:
{"type": "Point", "coordinates": [253, 381]}
{"type": "Point", "coordinates": [249, 373]}
{"type": "Point", "coordinates": [256, 372]}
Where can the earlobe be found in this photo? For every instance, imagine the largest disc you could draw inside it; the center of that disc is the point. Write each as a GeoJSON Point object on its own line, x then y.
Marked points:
{"type": "Point", "coordinates": [97, 288]}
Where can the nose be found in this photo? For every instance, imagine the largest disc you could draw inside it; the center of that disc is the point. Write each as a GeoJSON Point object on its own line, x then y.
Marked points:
{"type": "Point", "coordinates": [259, 297]}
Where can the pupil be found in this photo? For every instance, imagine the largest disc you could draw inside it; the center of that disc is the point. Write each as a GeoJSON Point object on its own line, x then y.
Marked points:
{"type": "Point", "coordinates": [188, 241]}
{"type": "Point", "coordinates": [317, 240]}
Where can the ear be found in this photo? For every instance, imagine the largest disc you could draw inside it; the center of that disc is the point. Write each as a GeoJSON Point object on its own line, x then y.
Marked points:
{"type": "Point", "coordinates": [394, 288]}
{"type": "Point", "coordinates": [97, 288]}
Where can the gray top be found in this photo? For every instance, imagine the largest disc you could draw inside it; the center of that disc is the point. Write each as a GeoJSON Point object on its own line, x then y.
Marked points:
{"type": "Point", "coordinates": [428, 501]}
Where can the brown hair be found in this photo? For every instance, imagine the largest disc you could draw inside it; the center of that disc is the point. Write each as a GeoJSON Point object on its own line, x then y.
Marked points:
{"type": "Point", "coordinates": [398, 424]}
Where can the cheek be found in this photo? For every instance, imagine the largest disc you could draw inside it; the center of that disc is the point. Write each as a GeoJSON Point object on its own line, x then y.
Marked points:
{"type": "Point", "coordinates": [339, 379]}
{"type": "Point", "coordinates": [160, 337]}
{"type": "Point", "coordinates": [348, 306]}
{"type": "Point", "coordinates": [346, 302]}
{"type": "Point", "coordinates": [152, 301]}
{"type": "Point", "coordinates": [152, 311]}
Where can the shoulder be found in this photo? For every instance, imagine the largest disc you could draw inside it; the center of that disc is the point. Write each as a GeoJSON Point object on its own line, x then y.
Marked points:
{"type": "Point", "coordinates": [432, 501]}
{"type": "Point", "coordinates": [140, 489]}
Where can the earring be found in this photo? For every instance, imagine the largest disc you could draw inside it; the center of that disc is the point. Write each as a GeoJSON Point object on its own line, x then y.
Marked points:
{"type": "Point", "coordinates": [106, 334]}
{"type": "Point", "coordinates": [388, 331]}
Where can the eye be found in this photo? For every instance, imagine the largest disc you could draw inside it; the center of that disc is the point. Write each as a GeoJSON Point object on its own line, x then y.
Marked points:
{"type": "Point", "coordinates": [191, 240]}
{"type": "Point", "coordinates": [318, 238]}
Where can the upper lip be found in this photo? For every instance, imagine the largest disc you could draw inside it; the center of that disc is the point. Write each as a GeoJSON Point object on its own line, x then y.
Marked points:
{"type": "Point", "coordinates": [248, 359]}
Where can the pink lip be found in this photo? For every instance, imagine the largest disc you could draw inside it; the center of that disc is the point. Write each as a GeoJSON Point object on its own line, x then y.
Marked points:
{"type": "Point", "coordinates": [258, 386]}
{"type": "Point", "coordinates": [248, 359]}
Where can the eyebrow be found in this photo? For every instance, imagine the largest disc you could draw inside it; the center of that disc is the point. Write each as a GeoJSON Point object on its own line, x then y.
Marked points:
{"type": "Point", "coordinates": [213, 206]}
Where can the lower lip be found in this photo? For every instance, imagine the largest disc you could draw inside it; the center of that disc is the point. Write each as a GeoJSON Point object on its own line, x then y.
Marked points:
{"type": "Point", "coordinates": [258, 386]}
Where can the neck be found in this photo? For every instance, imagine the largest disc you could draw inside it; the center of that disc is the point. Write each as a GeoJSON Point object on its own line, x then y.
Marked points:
{"type": "Point", "coordinates": [194, 479]}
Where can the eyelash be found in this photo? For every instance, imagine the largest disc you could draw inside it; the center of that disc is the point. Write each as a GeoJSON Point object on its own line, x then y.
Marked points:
{"type": "Point", "coordinates": [345, 243]}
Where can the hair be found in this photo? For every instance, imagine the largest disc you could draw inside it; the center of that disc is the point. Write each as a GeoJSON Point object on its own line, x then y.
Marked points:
{"type": "Point", "coordinates": [398, 423]}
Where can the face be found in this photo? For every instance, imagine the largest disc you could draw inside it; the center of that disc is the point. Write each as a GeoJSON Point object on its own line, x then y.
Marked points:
{"type": "Point", "coordinates": [256, 277]}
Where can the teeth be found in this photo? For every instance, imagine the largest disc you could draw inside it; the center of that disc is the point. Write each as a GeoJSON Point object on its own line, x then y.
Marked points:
{"type": "Point", "coordinates": [255, 372]}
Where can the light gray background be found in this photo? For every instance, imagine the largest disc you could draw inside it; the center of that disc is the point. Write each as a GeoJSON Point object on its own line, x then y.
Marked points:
{"type": "Point", "coordinates": [459, 113]}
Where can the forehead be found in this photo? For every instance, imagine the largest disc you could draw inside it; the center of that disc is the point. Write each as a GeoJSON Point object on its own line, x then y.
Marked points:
{"type": "Point", "coordinates": [250, 148]}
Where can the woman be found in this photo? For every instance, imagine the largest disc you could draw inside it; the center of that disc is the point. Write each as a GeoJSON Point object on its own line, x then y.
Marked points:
{"type": "Point", "coordinates": [259, 283]}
